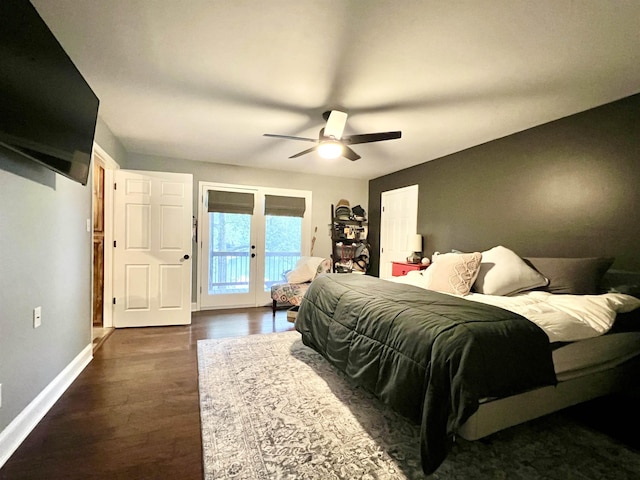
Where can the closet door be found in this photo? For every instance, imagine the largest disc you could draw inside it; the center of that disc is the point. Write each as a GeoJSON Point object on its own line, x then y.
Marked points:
{"type": "Point", "coordinates": [398, 223]}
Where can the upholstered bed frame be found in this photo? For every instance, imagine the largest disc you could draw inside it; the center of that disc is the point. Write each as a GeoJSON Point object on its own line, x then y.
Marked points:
{"type": "Point", "coordinates": [613, 376]}
{"type": "Point", "coordinates": [498, 414]}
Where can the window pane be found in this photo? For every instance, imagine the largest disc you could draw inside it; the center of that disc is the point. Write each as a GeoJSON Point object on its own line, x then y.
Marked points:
{"type": "Point", "coordinates": [229, 252]}
{"type": "Point", "coordinates": [283, 247]}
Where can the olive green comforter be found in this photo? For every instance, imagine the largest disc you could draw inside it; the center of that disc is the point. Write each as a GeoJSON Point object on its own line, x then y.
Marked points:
{"type": "Point", "coordinates": [429, 355]}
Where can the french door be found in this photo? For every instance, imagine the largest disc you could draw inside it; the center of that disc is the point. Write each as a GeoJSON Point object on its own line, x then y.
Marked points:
{"type": "Point", "coordinates": [249, 236]}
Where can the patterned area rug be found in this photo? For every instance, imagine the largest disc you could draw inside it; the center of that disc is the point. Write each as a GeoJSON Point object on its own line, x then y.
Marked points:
{"type": "Point", "coordinates": [272, 408]}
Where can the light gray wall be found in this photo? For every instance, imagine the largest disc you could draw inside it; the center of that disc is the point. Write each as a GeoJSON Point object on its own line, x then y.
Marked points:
{"type": "Point", "coordinates": [45, 260]}
{"type": "Point", "coordinates": [107, 141]}
{"type": "Point", "coordinates": [325, 190]}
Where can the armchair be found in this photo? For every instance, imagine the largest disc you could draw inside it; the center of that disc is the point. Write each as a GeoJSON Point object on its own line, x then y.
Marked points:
{"type": "Point", "coordinates": [298, 280]}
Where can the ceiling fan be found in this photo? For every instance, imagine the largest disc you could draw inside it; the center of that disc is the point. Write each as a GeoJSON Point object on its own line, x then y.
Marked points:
{"type": "Point", "coordinates": [330, 142]}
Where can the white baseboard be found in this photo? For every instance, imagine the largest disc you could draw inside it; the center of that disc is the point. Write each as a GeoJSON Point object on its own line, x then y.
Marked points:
{"type": "Point", "coordinates": [194, 306]}
{"type": "Point", "coordinates": [15, 433]}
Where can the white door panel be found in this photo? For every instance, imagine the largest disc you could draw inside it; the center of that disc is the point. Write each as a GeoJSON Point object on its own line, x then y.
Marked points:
{"type": "Point", "coordinates": [398, 222]}
{"type": "Point", "coordinates": [152, 232]}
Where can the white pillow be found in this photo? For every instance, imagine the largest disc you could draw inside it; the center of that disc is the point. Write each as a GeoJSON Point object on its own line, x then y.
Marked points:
{"type": "Point", "coordinates": [621, 302]}
{"type": "Point", "coordinates": [503, 272]}
{"type": "Point", "coordinates": [452, 272]}
{"type": "Point", "coordinates": [305, 270]}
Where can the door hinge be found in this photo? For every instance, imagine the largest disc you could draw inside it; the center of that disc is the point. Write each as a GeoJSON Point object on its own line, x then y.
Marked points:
{"type": "Point", "coordinates": [115, 186]}
{"type": "Point", "coordinates": [114, 244]}
{"type": "Point", "coordinates": [114, 300]}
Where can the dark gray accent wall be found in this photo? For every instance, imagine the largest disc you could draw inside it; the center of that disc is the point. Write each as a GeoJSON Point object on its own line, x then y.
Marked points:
{"type": "Point", "coordinates": [568, 188]}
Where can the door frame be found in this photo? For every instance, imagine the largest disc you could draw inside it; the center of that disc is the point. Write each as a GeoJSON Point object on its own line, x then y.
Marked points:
{"type": "Point", "coordinates": [109, 165]}
{"type": "Point", "coordinates": [262, 298]}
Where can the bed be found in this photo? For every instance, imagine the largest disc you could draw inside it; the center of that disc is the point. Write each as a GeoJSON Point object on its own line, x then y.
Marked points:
{"type": "Point", "coordinates": [463, 362]}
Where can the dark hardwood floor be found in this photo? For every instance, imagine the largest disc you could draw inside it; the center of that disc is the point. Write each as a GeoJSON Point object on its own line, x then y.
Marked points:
{"type": "Point", "coordinates": [133, 413]}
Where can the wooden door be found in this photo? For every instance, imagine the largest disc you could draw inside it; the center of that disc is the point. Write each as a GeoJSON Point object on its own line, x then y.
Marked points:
{"type": "Point", "coordinates": [98, 244]}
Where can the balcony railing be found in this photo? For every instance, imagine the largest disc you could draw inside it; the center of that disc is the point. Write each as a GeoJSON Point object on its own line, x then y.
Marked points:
{"type": "Point", "coordinates": [229, 271]}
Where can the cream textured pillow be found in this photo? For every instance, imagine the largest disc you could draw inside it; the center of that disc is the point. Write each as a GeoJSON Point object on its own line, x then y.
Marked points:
{"type": "Point", "coordinates": [453, 272]}
{"type": "Point", "coordinates": [503, 272]}
{"type": "Point", "coordinates": [305, 270]}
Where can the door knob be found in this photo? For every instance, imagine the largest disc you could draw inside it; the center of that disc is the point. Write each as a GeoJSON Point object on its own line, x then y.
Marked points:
{"type": "Point", "coordinates": [186, 257]}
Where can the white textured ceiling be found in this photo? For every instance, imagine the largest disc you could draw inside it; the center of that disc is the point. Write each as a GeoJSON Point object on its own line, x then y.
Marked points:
{"type": "Point", "coordinates": [204, 79]}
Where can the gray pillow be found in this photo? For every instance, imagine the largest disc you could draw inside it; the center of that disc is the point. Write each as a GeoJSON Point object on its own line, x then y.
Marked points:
{"type": "Point", "coordinates": [620, 281]}
{"type": "Point", "coordinates": [577, 276]}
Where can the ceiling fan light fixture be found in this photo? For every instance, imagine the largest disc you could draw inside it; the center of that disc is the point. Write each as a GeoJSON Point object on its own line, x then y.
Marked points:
{"type": "Point", "coordinates": [330, 143]}
{"type": "Point", "coordinates": [330, 149]}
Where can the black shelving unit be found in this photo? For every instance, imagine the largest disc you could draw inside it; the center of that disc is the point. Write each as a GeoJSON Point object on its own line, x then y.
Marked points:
{"type": "Point", "coordinates": [348, 237]}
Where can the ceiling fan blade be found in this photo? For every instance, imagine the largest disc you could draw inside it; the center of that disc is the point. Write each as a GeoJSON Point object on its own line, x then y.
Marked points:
{"type": "Point", "coordinates": [335, 124]}
{"type": "Point", "coordinates": [350, 154]}
{"type": "Point", "coordinates": [371, 137]}
{"type": "Point", "coordinates": [289, 137]}
{"type": "Point", "coordinates": [304, 152]}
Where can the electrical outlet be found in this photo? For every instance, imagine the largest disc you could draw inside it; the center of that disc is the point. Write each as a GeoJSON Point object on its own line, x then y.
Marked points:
{"type": "Point", "coordinates": [37, 317]}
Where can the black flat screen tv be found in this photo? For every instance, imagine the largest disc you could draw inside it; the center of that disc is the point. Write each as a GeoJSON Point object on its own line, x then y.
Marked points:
{"type": "Point", "coordinates": [48, 111]}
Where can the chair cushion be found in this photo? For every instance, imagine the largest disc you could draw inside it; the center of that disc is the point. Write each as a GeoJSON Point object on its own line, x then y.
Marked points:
{"type": "Point", "coordinates": [289, 292]}
{"type": "Point", "coordinates": [292, 292]}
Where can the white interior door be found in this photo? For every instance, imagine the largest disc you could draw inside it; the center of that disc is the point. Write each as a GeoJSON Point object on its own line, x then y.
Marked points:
{"type": "Point", "coordinates": [398, 222]}
{"type": "Point", "coordinates": [152, 248]}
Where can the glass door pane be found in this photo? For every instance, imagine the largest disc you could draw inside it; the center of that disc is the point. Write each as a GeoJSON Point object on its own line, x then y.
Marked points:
{"type": "Point", "coordinates": [229, 253]}
{"type": "Point", "coordinates": [283, 247]}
